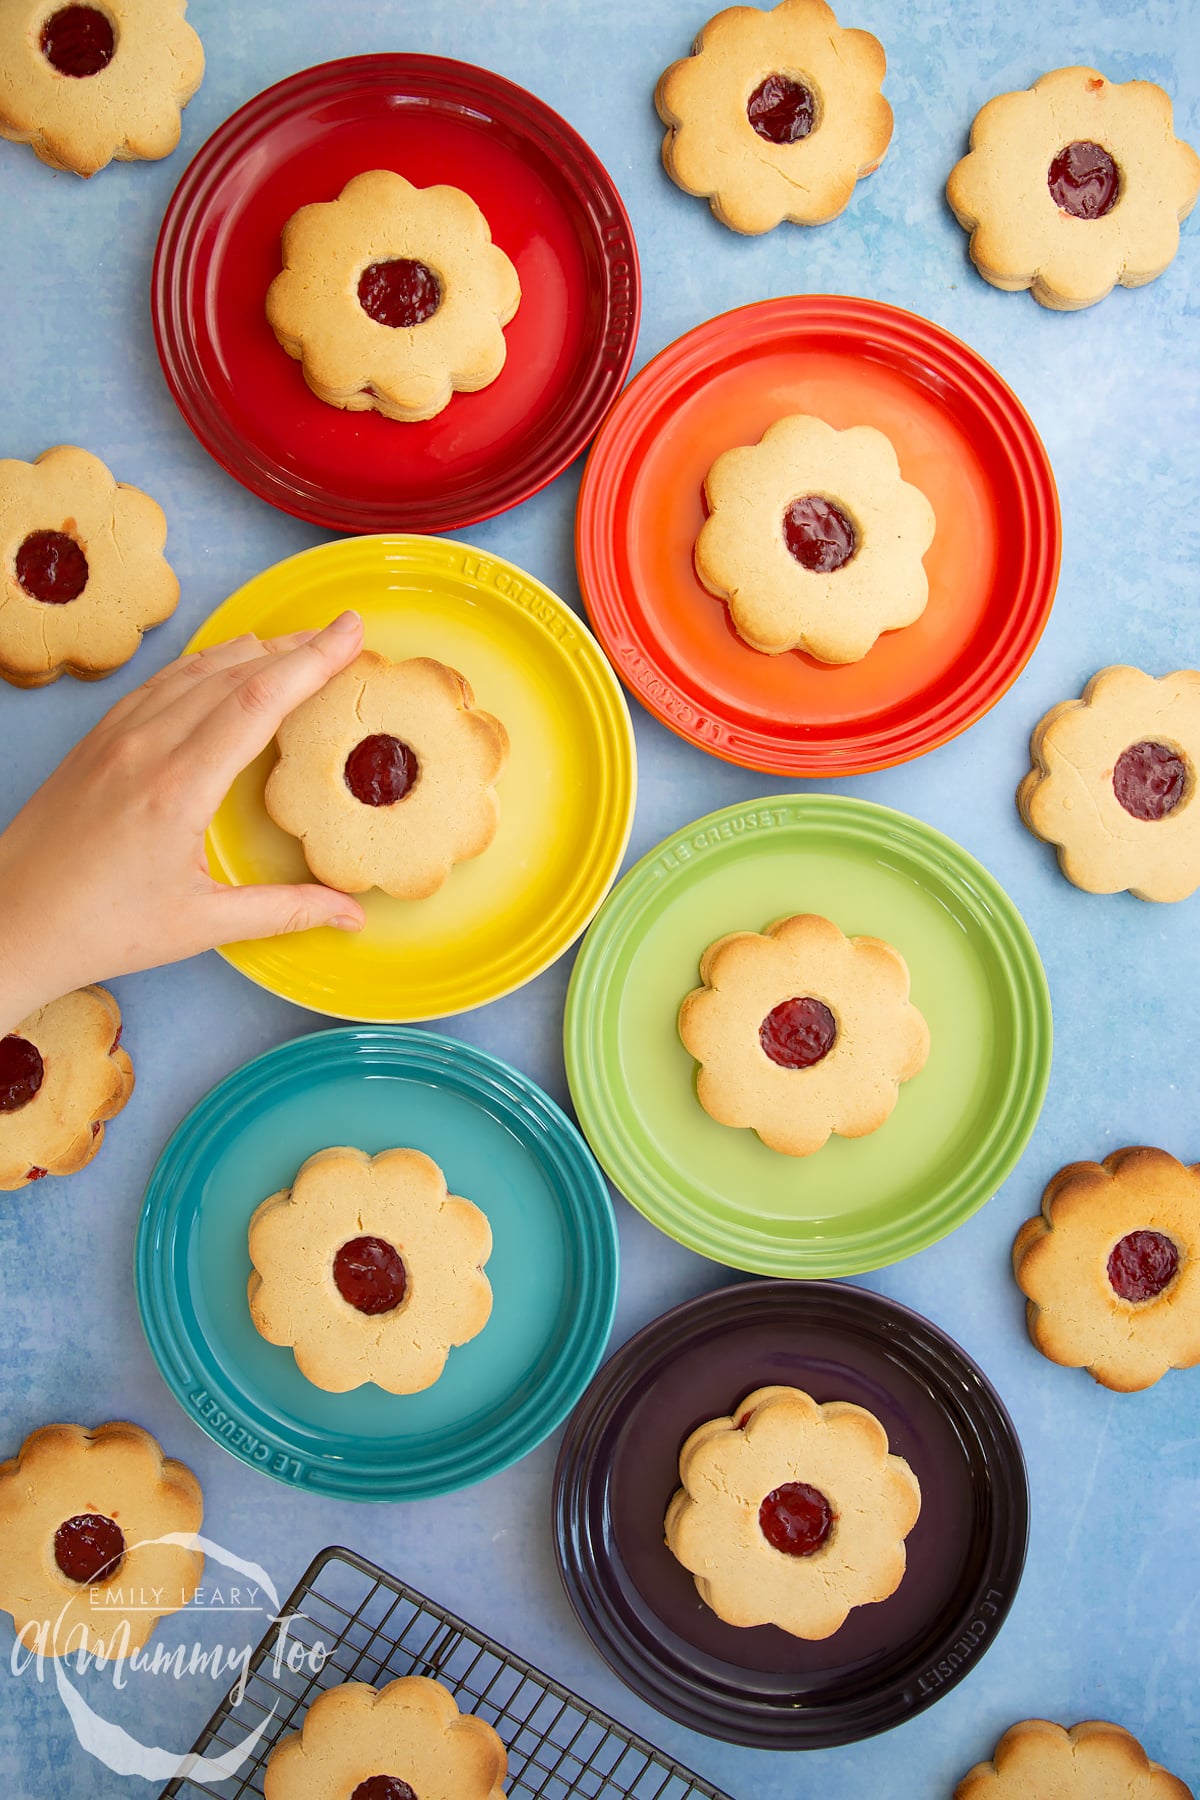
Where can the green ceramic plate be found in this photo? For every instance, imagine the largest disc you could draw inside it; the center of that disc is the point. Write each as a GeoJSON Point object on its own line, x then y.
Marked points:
{"type": "Point", "coordinates": [959, 1126]}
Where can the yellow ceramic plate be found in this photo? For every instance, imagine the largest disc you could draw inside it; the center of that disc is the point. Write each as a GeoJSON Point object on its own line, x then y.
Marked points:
{"type": "Point", "coordinates": [566, 795]}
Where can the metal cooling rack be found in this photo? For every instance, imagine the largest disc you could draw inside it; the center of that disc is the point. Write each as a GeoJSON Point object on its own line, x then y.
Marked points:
{"type": "Point", "coordinates": [374, 1628]}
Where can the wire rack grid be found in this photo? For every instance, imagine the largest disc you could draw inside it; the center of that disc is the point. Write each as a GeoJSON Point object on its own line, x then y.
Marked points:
{"type": "Point", "coordinates": [373, 1628]}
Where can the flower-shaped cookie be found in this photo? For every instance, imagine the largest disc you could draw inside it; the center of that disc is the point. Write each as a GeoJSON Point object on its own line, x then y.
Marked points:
{"type": "Point", "coordinates": [387, 776]}
{"type": "Point", "coordinates": [800, 1031]}
{"type": "Point", "coordinates": [62, 1074]}
{"type": "Point", "coordinates": [393, 297]}
{"type": "Point", "coordinates": [1073, 185]}
{"type": "Point", "coordinates": [82, 84]}
{"type": "Point", "coordinates": [405, 1739]}
{"type": "Point", "coordinates": [1111, 1268]}
{"type": "Point", "coordinates": [1113, 784]}
{"type": "Point", "coordinates": [775, 115]}
{"type": "Point", "coordinates": [93, 1526]}
{"type": "Point", "coordinates": [82, 571]}
{"type": "Point", "coordinates": [814, 541]}
{"type": "Point", "coordinates": [1091, 1761]}
{"type": "Point", "coordinates": [790, 1512]}
{"type": "Point", "coordinates": [369, 1270]}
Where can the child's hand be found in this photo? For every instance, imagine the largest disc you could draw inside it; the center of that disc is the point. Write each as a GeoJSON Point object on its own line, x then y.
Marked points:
{"type": "Point", "coordinates": [103, 872]}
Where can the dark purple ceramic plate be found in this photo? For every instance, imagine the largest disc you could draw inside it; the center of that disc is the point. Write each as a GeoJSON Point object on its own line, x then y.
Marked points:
{"type": "Point", "coordinates": [618, 1468]}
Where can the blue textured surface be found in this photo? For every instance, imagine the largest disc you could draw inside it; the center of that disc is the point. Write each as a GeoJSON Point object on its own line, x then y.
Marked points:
{"type": "Point", "coordinates": [1106, 1622]}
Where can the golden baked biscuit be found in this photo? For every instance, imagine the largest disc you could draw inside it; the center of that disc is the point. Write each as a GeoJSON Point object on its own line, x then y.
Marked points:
{"type": "Point", "coordinates": [387, 776]}
{"type": "Point", "coordinates": [800, 1031]}
{"type": "Point", "coordinates": [792, 1513]}
{"type": "Point", "coordinates": [1074, 185]}
{"type": "Point", "coordinates": [369, 1270]}
{"type": "Point", "coordinates": [82, 571]}
{"type": "Point", "coordinates": [409, 1732]}
{"type": "Point", "coordinates": [1113, 784]}
{"type": "Point", "coordinates": [1038, 1760]}
{"type": "Point", "coordinates": [1110, 1268]}
{"type": "Point", "coordinates": [84, 1519]}
{"type": "Point", "coordinates": [84, 84]}
{"type": "Point", "coordinates": [393, 297]}
{"type": "Point", "coordinates": [814, 541]}
{"type": "Point", "coordinates": [63, 1073]}
{"type": "Point", "coordinates": [775, 115]}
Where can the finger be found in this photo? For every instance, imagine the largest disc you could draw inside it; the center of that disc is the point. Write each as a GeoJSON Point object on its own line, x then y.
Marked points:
{"type": "Point", "coordinates": [179, 690]}
{"type": "Point", "coordinates": [244, 721]}
{"type": "Point", "coordinates": [240, 913]}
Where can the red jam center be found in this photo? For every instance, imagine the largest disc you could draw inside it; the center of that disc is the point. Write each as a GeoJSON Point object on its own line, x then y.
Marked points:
{"type": "Point", "coordinates": [781, 110]}
{"type": "Point", "coordinates": [21, 1071]}
{"type": "Point", "coordinates": [795, 1518]}
{"type": "Point", "coordinates": [89, 1547]}
{"type": "Point", "coordinates": [399, 293]}
{"type": "Point", "coordinates": [383, 1787]}
{"type": "Point", "coordinates": [818, 534]}
{"type": "Point", "coordinates": [1083, 180]}
{"type": "Point", "coordinates": [1142, 1265]}
{"type": "Point", "coordinates": [380, 770]}
{"type": "Point", "coordinates": [798, 1033]}
{"type": "Point", "coordinates": [1149, 780]}
{"type": "Point", "coordinates": [370, 1275]}
{"type": "Point", "coordinates": [51, 567]}
{"type": "Point", "coordinates": [78, 41]}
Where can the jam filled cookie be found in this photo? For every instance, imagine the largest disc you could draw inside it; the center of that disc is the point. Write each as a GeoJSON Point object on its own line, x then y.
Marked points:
{"type": "Point", "coordinates": [775, 115]}
{"type": "Point", "coordinates": [405, 1741]}
{"type": "Point", "coordinates": [82, 571]}
{"type": "Point", "coordinates": [791, 1513]}
{"type": "Point", "coordinates": [800, 1031]}
{"type": "Point", "coordinates": [1092, 1761]}
{"type": "Point", "coordinates": [82, 84]}
{"type": "Point", "coordinates": [1111, 1268]}
{"type": "Point", "coordinates": [813, 540]}
{"type": "Point", "coordinates": [62, 1074]}
{"type": "Point", "coordinates": [387, 776]}
{"type": "Point", "coordinates": [393, 297]}
{"type": "Point", "coordinates": [1073, 185]}
{"type": "Point", "coordinates": [84, 1519]}
{"type": "Point", "coordinates": [1113, 784]}
{"type": "Point", "coordinates": [369, 1270]}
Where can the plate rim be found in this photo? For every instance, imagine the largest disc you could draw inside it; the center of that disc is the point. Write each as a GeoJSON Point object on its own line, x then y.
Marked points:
{"type": "Point", "coordinates": [246, 956]}
{"type": "Point", "coordinates": [615, 1150]}
{"type": "Point", "coordinates": [653, 685]}
{"type": "Point", "coordinates": [765, 1723]}
{"type": "Point", "coordinates": [415, 1052]}
{"type": "Point", "coordinates": [175, 254]}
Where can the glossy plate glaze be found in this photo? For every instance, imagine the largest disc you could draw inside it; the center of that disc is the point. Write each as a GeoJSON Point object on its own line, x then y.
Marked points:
{"type": "Point", "coordinates": [619, 1466]}
{"type": "Point", "coordinates": [566, 795]}
{"type": "Point", "coordinates": [551, 207]}
{"type": "Point", "coordinates": [500, 1141]}
{"type": "Point", "coordinates": [961, 436]}
{"type": "Point", "coordinates": [958, 1127]}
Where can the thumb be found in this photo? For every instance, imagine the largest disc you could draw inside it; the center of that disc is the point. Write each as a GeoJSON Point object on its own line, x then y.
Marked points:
{"type": "Point", "coordinates": [269, 911]}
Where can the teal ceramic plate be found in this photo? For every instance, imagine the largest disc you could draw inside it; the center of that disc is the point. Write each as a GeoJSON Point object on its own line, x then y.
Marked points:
{"type": "Point", "coordinates": [501, 1142]}
{"type": "Point", "coordinates": [959, 1126]}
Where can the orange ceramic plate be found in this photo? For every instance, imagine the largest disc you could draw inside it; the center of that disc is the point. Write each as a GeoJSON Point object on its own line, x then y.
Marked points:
{"type": "Point", "coordinates": [961, 436]}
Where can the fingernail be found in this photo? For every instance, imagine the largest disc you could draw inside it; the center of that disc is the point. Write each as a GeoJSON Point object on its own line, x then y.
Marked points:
{"type": "Point", "coordinates": [344, 922]}
{"type": "Point", "coordinates": [344, 624]}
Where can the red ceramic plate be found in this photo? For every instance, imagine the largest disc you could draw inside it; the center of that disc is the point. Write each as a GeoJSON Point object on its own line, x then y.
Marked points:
{"type": "Point", "coordinates": [551, 206]}
{"type": "Point", "coordinates": [961, 436]}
